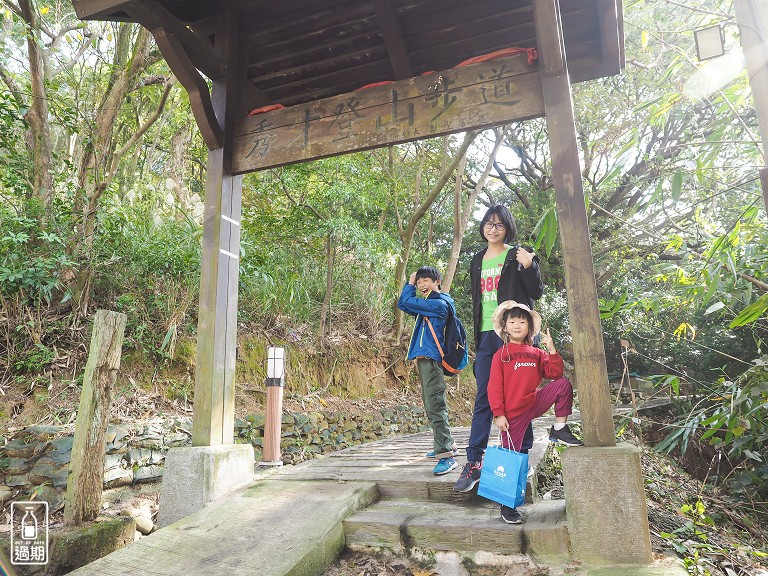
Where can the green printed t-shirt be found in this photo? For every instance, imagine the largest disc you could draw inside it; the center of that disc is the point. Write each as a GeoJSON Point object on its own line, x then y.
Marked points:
{"type": "Point", "coordinates": [490, 272]}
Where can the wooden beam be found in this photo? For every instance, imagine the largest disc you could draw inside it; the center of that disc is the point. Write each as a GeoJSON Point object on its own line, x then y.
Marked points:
{"type": "Point", "coordinates": [475, 96]}
{"type": "Point", "coordinates": [237, 64]}
{"type": "Point", "coordinates": [199, 50]}
{"type": "Point", "coordinates": [581, 290]}
{"type": "Point", "coordinates": [611, 38]}
{"type": "Point", "coordinates": [590, 69]}
{"type": "Point", "coordinates": [194, 10]}
{"type": "Point", "coordinates": [196, 86]}
{"type": "Point", "coordinates": [393, 38]}
{"type": "Point", "coordinates": [97, 9]}
{"type": "Point", "coordinates": [153, 15]}
{"type": "Point", "coordinates": [620, 25]}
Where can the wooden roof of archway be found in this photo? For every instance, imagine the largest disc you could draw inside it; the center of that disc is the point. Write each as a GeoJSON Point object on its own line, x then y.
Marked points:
{"type": "Point", "coordinates": [299, 52]}
{"type": "Point", "coordinates": [302, 50]}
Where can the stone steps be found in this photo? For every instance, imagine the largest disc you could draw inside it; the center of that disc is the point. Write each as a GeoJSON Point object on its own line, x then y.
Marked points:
{"type": "Point", "coordinates": [404, 525]}
{"type": "Point", "coordinates": [420, 514]}
{"type": "Point", "coordinates": [400, 469]}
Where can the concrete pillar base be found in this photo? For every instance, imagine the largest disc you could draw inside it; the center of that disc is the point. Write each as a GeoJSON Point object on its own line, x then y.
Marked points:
{"type": "Point", "coordinates": [605, 505]}
{"type": "Point", "coordinates": [196, 475]}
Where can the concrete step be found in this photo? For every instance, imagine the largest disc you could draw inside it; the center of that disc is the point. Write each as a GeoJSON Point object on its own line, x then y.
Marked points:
{"type": "Point", "coordinates": [272, 528]}
{"type": "Point", "coordinates": [401, 470]}
{"type": "Point", "coordinates": [403, 525]}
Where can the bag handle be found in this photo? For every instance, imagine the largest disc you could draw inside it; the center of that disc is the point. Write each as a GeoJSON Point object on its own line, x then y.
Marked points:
{"type": "Point", "coordinates": [509, 439]}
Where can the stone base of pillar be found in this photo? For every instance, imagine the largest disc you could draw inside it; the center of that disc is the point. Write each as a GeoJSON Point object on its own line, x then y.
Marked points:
{"type": "Point", "coordinates": [196, 475]}
{"type": "Point", "coordinates": [605, 505]}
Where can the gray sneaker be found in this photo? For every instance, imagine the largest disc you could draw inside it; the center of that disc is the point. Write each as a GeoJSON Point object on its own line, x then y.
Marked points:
{"type": "Point", "coordinates": [470, 475]}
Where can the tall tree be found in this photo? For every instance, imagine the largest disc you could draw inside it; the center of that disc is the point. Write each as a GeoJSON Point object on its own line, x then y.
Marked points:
{"type": "Point", "coordinates": [33, 93]}
{"type": "Point", "coordinates": [407, 226]}
{"type": "Point", "coordinates": [462, 209]}
{"type": "Point", "coordinates": [101, 154]}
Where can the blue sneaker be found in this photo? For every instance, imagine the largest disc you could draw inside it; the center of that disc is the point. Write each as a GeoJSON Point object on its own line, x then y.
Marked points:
{"type": "Point", "coordinates": [444, 466]}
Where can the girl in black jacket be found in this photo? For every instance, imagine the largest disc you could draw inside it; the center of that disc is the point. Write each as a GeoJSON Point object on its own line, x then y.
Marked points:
{"type": "Point", "coordinates": [498, 273]}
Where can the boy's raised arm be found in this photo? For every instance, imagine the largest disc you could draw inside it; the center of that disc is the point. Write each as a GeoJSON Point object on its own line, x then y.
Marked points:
{"type": "Point", "coordinates": [412, 304]}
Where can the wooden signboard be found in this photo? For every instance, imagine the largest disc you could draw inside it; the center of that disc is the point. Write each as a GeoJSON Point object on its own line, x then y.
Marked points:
{"type": "Point", "coordinates": [473, 96]}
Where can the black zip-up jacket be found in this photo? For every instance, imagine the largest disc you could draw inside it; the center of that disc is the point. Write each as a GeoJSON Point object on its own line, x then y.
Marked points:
{"type": "Point", "coordinates": [522, 286]}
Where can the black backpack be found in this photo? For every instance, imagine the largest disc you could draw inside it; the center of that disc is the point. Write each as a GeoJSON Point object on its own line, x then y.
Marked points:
{"type": "Point", "coordinates": [456, 353]}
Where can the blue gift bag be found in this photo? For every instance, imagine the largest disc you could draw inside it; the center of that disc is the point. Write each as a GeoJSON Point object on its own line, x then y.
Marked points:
{"type": "Point", "coordinates": [503, 476]}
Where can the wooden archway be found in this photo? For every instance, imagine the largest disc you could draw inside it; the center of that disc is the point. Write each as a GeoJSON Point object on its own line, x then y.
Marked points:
{"type": "Point", "coordinates": [302, 79]}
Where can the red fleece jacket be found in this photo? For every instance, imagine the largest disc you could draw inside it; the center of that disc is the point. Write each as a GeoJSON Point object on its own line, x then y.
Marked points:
{"type": "Point", "coordinates": [514, 380]}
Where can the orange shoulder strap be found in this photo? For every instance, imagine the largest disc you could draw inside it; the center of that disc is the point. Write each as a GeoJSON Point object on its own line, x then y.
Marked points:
{"type": "Point", "coordinates": [439, 348]}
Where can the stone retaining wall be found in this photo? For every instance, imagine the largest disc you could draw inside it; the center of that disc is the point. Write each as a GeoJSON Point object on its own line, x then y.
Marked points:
{"type": "Point", "coordinates": [35, 460]}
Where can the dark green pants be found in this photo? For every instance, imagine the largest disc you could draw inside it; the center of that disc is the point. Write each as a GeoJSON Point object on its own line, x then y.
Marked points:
{"type": "Point", "coordinates": [433, 396]}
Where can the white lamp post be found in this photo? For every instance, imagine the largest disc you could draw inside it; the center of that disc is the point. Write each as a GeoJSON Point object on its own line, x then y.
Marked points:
{"type": "Point", "coordinates": [273, 419]}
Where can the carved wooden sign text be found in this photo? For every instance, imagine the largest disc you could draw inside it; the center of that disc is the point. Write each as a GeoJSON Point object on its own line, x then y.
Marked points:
{"type": "Point", "coordinates": [474, 96]}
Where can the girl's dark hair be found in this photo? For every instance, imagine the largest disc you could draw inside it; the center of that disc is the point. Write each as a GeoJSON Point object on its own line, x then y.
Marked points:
{"type": "Point", "coordinates": [429, 272]}
{"type": "Point", "coordinates": [505, 217]}
{"type": "Point", "coordinates": [518, 313]}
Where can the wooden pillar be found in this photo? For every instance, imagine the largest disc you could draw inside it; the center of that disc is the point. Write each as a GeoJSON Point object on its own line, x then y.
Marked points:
{"type": "Point", "coordinates": [85, 482]}
{"type": "Point", "coordinates": [588, 349]}
{"type": "Point", "coordinates": [214, 407]}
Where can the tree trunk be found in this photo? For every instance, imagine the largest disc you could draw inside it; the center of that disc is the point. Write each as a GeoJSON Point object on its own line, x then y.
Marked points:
{"type": "Point", "coordinates": [95, 171]}
{"type": "Point", "coordinates": [413, 222]}
{"type": "Point", "coordinates": [461, 213]}
{"type": "Point", "coordinates": [39, 133]}
{"type": "Point", "coordinates": [325, 311]}
{"type": "Point", "coordinates": [86, 477]}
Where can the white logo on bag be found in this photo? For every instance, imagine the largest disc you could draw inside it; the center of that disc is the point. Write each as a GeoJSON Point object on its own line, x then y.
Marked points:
{"type": "Point", "coordinates": [499, 472]}
{"type": "Point", "coordinates": [525, 364]}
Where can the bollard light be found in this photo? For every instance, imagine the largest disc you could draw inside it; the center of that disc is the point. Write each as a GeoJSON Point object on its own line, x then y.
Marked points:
{"type": "Point", "coordinates": [272, 423]}
{"type": "Point", "coordinates": [275, 366]}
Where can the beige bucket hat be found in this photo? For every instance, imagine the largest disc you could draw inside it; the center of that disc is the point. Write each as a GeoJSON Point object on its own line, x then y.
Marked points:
{"type": "Point", "coordinates": [498, 316]}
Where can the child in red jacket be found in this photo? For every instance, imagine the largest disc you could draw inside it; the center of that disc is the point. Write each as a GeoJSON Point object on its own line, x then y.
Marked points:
{"type": "Point", "coordinates": [517, 371]}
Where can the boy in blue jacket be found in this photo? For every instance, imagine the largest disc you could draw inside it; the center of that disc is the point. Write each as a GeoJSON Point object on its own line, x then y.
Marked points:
{"type": "Point", "coordinates": [432, 304]}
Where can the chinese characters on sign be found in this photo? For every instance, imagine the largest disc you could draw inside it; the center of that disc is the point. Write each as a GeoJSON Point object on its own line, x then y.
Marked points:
{"type": "Point", "coordinates": [29, 533]}
{"type": "Point", "coordinates": [442, 96]}
{"type": "Point", "coordinates": [501, 87]}
{"type": "Point", "coordinates": [395, 117]}
{"type": "Point", "coordinates": [475, 96]}
{"type": "Point", "coordinates": [262, 139]}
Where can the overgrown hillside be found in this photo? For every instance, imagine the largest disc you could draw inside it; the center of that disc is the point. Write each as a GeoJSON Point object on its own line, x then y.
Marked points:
{"type": "Point", "coordinates": [353, 374]}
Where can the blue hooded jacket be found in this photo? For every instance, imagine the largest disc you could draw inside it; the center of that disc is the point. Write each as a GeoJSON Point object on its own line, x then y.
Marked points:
{"type": "Point", "coordinates": [435, 307]}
